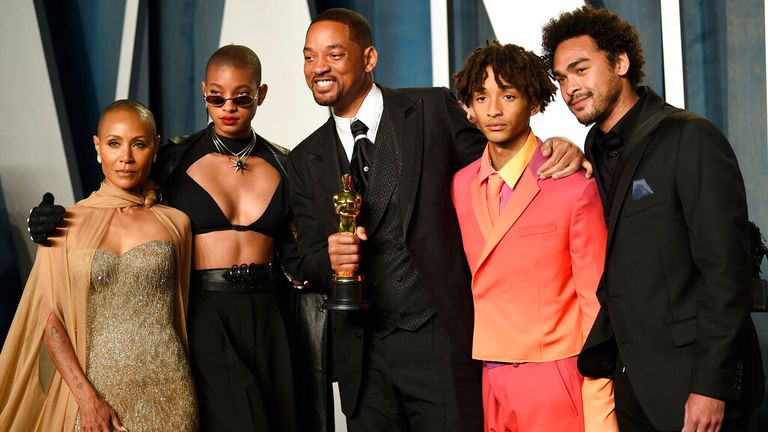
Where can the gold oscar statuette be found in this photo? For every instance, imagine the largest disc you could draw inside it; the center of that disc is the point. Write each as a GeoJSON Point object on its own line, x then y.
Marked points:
{"type": "Point", "coordinates": [346, 288]}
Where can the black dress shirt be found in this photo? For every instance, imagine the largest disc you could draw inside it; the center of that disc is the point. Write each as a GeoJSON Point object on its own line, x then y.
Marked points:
{"type": "Point", "coordinates": [608, 150]}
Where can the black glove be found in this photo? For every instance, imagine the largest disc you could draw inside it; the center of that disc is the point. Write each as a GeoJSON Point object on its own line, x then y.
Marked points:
{"type": "Point", "coordinates": [43, 219]}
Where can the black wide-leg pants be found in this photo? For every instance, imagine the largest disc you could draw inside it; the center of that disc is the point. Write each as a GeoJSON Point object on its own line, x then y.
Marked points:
{"type": "Point", "coordinates": [240, 358]}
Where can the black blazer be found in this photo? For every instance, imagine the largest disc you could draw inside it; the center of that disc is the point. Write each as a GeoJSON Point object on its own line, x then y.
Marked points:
{"type": "Point", "coordinates": [430, 130]}
{"type": "Point", "coordinates": [675, 292]}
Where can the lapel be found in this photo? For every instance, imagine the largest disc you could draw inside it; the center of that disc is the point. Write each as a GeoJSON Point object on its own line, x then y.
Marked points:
{"type": "Point", "coordinates": [404, 134]}
{"type": "Point", "coordinates": [637, 146]}
{"type": "Point", "coordinates": [526, 190]}
{"type": "Point", "coordinates": [324, 161]}
{"type": "Point", "coordinates": [653, 112]}
{"type": "Point", "coordinates": [384, 168]}
{"type": "Point", "coordinates": [480, 206]}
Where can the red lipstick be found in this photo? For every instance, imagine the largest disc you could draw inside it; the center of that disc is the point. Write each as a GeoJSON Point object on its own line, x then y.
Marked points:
{"type": "Point", "coordinates": [228, 120]}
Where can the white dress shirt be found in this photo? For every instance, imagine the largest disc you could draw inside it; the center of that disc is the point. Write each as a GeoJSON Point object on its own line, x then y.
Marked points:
{"type": "Point", "coordinates": [369, 113]}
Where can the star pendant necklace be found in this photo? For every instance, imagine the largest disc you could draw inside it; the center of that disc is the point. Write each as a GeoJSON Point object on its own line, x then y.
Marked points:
{"type": "Point", "coordinates": [238, 163]}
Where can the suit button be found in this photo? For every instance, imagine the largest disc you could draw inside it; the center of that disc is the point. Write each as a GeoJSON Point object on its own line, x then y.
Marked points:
{"type": "Point", "coordinates": [358, 334]}
{"type": "Point", "coordinates": [399, 278]}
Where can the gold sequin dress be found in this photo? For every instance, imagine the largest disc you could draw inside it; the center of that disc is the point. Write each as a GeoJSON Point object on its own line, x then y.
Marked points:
{"type": "Point", "coordinates": [135, 358]}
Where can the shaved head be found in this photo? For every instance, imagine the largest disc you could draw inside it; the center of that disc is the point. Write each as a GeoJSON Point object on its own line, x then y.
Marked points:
{"type": "Point", "coordinates": [133, 106]}
{"type": "Point", "coordinates": [236, 56]}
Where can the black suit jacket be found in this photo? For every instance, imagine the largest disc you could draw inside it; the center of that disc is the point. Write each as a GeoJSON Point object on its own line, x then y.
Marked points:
{"type": "Point", "coordinates": [430, 130]}
{"type": "Point", "coordinates": [675, 292]}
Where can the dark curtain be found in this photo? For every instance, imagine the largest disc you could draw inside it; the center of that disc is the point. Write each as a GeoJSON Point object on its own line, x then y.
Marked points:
{"type": "Point", "coordinates": [82, 39]}
{"type": "Point", "coordinates": [646, 17]}
{"type": "Point", "coordinates": [469, 27]}
{"type": "Point", "coordinates": [401, 34]}
{"type": "Point", "coordinates": [10, 282]}
{"type": "Point", "coordinates": [181, 35]}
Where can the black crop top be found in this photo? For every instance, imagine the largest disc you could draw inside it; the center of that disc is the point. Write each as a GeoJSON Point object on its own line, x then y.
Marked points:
{"type": "Point", "coordinates": [184, 193]}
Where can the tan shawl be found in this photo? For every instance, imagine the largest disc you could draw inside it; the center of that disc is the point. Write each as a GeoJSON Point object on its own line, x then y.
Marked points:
{"type": "Point", "coordinates": [33, 396]}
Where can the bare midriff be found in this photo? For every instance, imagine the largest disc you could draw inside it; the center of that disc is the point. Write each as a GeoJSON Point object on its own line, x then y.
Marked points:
{"type": "Point", "coordinates": [222, 249]}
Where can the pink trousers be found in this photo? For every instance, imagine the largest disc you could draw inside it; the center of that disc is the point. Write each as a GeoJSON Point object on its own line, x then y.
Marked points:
{"type": "Point", "coordinates": [533, 397]}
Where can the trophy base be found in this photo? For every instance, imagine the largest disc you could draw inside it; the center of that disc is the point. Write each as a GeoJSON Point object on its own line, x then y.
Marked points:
{"type": "Point", "coordinates": [347, 294]}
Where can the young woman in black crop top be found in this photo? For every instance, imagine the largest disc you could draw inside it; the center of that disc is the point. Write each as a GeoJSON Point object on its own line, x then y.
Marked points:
{"type": "Point", "coordinates": [231, 184]}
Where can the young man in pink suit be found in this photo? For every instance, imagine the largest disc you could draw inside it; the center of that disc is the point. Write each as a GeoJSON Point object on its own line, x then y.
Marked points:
{"type": "Point", "coordinates": [535, 248]}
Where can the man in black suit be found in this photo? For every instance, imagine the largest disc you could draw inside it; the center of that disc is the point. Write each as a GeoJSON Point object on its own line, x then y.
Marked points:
{"type": "Point", "coordinates": [406, 364]}
{"type": "Point", "coordinates": [674, 329]}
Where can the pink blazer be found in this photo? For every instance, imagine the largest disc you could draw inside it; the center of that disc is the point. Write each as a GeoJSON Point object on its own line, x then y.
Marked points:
{"type": "Point", "coordinates": [535, 272]}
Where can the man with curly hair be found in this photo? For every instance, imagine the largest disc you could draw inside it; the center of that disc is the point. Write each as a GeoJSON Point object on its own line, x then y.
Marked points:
{"type": "Point", "coordinates": [535, 248]}
{"type": "Point", "coordinates": [674, 330]}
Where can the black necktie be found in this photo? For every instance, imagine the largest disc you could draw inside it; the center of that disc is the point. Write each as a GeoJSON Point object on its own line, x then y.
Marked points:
{"type": "Point", "coordinates": [359, 165]}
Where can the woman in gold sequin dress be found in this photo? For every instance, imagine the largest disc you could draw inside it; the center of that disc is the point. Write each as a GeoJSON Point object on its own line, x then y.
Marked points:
{"type": "Point", "coordinates": [98, 342]}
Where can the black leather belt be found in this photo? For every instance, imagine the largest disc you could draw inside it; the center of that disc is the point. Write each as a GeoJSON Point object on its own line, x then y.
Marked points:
{"type": "Point", "coordinates": [238, 278]}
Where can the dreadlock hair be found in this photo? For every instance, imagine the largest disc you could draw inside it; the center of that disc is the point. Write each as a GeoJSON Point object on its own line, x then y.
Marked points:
{"type": "Point", "coordinates": [359, 29]}
{"type": "Point", "coordinates": [611, 34]}
{"type": "Point", "coordinates": [520, 69]}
